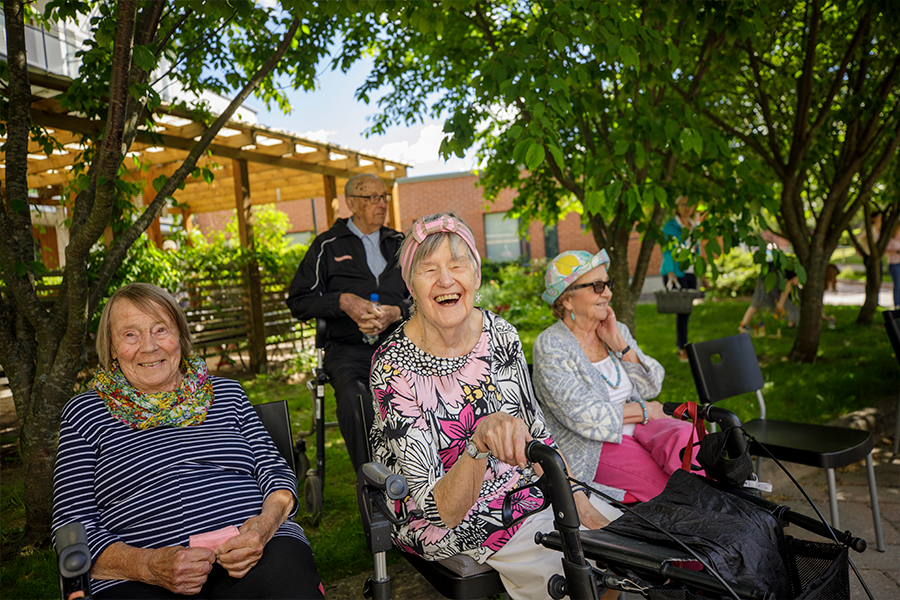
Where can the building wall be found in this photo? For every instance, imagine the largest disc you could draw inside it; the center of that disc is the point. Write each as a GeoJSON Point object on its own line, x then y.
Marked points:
{"type": "Point", "coordinates": [458, 192]}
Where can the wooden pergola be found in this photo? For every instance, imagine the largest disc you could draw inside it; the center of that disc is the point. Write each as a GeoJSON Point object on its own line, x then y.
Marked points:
{"type": "Point", "coordinates": [252, 164]}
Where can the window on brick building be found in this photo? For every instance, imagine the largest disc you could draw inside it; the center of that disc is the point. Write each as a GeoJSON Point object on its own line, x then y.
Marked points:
{"type": "Point", "coordinates": [551, 241]}
{"type": "Point", "coordinates": [501, 237]}
{"type": "Point", "coordinates": [299, 237]}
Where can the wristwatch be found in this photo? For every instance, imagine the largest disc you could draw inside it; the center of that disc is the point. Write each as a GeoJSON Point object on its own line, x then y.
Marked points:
{"type": "Point", "coordinates": [472, 450]}
{"type": "Point", "coordinates": [622, 352]}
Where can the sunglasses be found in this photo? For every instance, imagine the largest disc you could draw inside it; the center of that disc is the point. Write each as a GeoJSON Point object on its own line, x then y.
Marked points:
{"type": "Point", "coordinates": [598, 286]}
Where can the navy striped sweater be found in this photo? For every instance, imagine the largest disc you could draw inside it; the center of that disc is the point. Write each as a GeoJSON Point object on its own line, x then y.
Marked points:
{"type": "Point", "coordinates": [155, 487]}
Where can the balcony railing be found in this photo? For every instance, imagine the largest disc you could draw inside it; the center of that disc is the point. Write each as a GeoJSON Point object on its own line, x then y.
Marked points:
{"type": "Point", "coordinates": [46, 50]}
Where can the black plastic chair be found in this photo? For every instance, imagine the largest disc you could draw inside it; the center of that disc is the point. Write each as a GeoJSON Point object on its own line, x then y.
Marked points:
{"type": "Point", "coordinates": [459, 577]}
{"type": "Point", "coordinates": [892, 324]}
{"type": "Point", "coordinates": [728, 367]}
{"type": "Point", "coordinates": [277, 421]}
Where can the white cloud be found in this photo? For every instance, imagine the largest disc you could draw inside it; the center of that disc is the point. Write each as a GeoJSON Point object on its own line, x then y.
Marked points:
{"type": "Point", "coordinates": [319, 135]}
{"type": "Point", "coordinates": [423, 150]}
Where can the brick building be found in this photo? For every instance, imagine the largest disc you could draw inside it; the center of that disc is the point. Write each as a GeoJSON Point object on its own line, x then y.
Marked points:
{"type": "Point", "coordinates": [496, 237]}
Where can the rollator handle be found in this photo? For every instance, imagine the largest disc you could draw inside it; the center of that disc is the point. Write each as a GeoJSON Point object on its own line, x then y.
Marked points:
{"type": "Point", "coordinates": [73, 561]}
{"type": "Point", "coordinates": [725, 418]}
{"type": "Point", "coordinates": [380, 477]}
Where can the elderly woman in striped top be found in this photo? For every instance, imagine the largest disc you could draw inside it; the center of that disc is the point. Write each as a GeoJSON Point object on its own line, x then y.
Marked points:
{"type": "Point", "coordinates": [177, 483]}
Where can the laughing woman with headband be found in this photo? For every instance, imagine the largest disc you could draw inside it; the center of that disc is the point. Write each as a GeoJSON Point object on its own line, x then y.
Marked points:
{"type": "Point", "coordinates": [454, 410]}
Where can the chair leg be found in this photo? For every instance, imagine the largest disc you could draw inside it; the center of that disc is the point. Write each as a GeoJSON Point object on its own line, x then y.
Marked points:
{"type": "Point", "coordinates": [380, 584]}
{"type": "Point", "coordinates": [873, 496]}
{"type": "Point", "coordinates": [897, 432]}
{"type": "Point", "coordinates": [832, 499]}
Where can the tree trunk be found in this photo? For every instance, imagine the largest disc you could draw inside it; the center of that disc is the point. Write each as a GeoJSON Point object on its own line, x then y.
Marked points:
{"type": "Point", "coordinates": [49, 359]}
{"type": "Point", "coordinates": [806, 344]}
{"type": "Point", "coordinates": [625, 297]}
{"type": "Point", "coordinates": [873, 286]}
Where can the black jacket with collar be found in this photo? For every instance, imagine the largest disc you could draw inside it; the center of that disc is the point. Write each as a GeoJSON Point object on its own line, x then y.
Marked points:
{"type": "Point", "coordinates": [336, 263]}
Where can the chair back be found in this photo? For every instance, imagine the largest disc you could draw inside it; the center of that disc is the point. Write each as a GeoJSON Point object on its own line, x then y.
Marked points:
{"type": "Point", "coordinates": [277, 421]}
{"type": "Point", "coordinates": [892, 324]}
{"type": "Point", "coordinates": [725, 367]}
{"type": "Point", "coordinates": [364, 423]}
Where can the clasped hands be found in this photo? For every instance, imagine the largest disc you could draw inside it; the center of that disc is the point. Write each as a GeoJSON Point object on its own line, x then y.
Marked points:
{"type": "Point", "coordinates": [371, 319]}
{"type": "Point", "coordinates": [185, 570]}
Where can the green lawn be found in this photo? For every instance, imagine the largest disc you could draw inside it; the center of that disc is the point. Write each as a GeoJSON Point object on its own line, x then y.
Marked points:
{"type": "Point", "coordinates": [819, 392]}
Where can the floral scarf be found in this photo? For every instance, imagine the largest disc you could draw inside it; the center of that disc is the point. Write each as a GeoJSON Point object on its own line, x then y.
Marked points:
{"type": "Point", "coordinates": [184, 407]}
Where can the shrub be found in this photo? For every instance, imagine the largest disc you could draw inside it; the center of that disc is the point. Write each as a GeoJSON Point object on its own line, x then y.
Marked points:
{"type": "Point", "coordinates": [737, 275]}
{"type": "Point", "coordinates": [515, 294]}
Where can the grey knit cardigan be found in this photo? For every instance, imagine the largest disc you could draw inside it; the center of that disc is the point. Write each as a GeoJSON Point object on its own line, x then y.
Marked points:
{"type": "Point", "coordinates": [575, 399]}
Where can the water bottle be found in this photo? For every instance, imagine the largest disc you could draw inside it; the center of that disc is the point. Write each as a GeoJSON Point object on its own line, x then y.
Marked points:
{"type": "Point", "coordinates": [368, 338]}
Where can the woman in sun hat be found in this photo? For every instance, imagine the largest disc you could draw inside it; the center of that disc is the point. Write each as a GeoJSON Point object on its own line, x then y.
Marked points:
{"type": "Point", "coordinates": [454, 409]}
{"type": "Point", "coordinates": [594, 384]}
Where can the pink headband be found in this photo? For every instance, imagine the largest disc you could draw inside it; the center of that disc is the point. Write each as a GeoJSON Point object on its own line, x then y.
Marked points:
{"type": "Point", "coordinates": [420, 231]}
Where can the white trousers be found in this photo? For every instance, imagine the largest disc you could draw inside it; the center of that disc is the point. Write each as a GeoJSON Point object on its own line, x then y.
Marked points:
{"type": "Point", "coordinates": [525, 567]}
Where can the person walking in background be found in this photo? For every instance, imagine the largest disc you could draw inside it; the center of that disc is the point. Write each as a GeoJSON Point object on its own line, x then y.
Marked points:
{"type": "Point", "coordinates": [343, 267]}
{"type": "Point", "coordinates": [776, 299]}
{"type": "Point", "coordinates": [893, 260]}
{"type": "Point", "coordinates": [671, 273]}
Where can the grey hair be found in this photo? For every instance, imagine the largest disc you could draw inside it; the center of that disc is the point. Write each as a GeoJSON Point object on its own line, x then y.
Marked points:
{"type": "Point", "coordinates": [152, 300]}
{"type": "Point", "coordinates": [559, 311]}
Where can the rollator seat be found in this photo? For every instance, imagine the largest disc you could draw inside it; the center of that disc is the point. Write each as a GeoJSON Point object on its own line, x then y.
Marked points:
{"type": "Point", "coordinates": [464, 565]}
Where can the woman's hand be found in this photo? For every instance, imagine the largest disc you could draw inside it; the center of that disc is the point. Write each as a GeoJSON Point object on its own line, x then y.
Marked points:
{"type": "Point", "coordinates": [590, 516]}
{"type": "Point", "coordinates": [505, 436]}
{"type": "Point", "coordinates": [241, 553]}
{"type": "Point", "coordinates": [655, 411]}
{"type": "Point", "coordinates": [608, 330]}
{"type": "Point", "coordinates": [180, 570]}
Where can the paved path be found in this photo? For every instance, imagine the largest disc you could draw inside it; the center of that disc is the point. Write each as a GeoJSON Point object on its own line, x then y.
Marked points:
{"type": "Point", "coordinates": [880, 570]}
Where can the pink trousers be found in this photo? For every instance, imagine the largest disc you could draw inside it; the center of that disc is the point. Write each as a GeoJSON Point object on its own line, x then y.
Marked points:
{"type": "Point", "coordinates": [642, 463]}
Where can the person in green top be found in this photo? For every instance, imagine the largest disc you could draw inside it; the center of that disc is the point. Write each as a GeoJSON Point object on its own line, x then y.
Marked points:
{"type": "Point", "coordinates": [684, 220]}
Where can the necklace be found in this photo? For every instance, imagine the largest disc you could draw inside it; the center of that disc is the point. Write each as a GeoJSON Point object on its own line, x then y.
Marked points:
{"type": "Point", "coordinates": [618, 382]}
{"type": "Point", "coordinates": [425, 342]}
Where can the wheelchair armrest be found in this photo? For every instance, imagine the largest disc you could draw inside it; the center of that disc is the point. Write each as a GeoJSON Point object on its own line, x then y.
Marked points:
{"type": "Point", "coordinates": [377, 476]}
{"type": "Point", "coordinates": [73, 561]}
{"type": "Point", "coordinates": [373, 482]}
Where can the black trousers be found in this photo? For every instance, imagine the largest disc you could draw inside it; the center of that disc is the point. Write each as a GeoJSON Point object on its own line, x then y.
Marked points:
{"type": "Point", "coordinates": [688, 282]}
{"type": "Point", "coordinates": [348, 368]}
{"type": "Point", "coordinates": [286, 570]}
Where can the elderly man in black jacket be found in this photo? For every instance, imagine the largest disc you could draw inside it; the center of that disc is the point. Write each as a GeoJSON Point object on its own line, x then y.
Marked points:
{"type": "Point", "coordinates": [343, 267]}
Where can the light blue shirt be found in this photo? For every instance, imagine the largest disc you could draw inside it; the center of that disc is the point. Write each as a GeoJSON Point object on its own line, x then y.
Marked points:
{"type": "Point", "coordinates": [371, 243]}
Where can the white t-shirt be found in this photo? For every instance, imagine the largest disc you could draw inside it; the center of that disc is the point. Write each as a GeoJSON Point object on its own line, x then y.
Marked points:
{"type": "Point", "coordinates": [607, 368]}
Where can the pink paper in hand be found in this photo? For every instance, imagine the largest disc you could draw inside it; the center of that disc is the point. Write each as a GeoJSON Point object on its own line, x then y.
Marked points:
{"type": "Point", "coordinates": [212, 539]}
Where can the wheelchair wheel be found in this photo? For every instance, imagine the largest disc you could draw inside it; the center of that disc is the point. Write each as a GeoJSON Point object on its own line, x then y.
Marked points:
{"type": "Point", "coordinates": [302, 462]}
{"type": "Point", "coordinates": [312, 492]}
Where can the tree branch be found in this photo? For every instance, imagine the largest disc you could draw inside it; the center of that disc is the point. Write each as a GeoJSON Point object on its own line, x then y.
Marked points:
{"type": "Point", "coordinates": [16, 238]}
{"type": "Point", "coordinates": [119, 249]}
{"type": "Point", "coordinates": [172, 30]}
{"type": "Point", "coordinates": [838, 79]}
{"type": "Point", "coordinates": [771, 134]}
{"type": "Point", "coordinates": [804, 90]}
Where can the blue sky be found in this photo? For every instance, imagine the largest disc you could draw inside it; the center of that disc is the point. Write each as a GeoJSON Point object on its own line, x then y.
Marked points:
{"type": "Point", "coordinates": [331, 114]}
